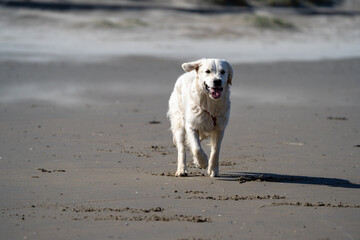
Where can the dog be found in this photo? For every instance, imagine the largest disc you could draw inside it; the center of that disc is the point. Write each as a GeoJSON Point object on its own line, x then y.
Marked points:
{"type": "Point", "coordinates": [199, 108]}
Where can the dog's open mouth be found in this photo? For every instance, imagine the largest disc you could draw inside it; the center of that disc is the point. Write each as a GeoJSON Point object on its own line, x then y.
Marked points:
{"type": "Point", "coordinates": [214, 92]}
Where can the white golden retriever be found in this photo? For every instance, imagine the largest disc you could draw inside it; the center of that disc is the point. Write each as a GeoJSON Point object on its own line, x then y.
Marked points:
{"type": "Point", "coordinates": [199, 107]}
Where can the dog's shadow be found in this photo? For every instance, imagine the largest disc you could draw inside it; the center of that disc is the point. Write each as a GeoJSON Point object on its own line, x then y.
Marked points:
{"type": "Point", "coordinates": [243, 177]}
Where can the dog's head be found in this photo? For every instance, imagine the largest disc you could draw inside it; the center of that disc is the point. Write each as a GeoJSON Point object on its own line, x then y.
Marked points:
{"type": "Point", "coordinates": [213, 75]}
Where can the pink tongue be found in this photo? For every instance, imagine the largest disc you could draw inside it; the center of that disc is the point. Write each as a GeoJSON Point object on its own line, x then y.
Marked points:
{"type": "Point", "coordinates": [215, 92]}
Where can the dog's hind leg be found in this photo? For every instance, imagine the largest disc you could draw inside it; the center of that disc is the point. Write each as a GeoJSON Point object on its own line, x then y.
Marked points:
{"type": "Point", "coordinates": [179, 138]}
{"type": "Point", "coordinates": [200, 158]}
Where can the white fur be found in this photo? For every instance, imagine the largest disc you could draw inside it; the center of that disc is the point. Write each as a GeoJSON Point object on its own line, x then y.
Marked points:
{"type": "Point", "coordinates": [192, 110]}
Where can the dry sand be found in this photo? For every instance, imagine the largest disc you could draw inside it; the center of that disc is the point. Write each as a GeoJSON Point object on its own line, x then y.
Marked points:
{"type": "Point", "coordinates": [89, 154]}
{"type": "Point", "coordinates": [86, 152]}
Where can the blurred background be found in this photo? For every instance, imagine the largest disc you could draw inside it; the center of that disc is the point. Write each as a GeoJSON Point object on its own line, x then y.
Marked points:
{"type": "Point", "coordinates": [238, 30]}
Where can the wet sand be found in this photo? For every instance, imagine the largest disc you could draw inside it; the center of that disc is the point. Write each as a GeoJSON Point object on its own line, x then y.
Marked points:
{"type": "Point", "coordinates": [86, 153]}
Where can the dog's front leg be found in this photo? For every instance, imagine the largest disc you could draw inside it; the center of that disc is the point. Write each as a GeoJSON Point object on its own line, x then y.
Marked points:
{"type": "Point", "coordinates": [216, 138]}
{"type": "Point", "coordinates": [200, 158]}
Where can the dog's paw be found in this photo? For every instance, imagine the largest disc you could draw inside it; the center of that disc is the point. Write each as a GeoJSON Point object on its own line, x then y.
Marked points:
{"type": "Point", "coordinates": [213, 172]}
{"type": "Point", "coordinates": [201, 160]}
{"type": "Point", "coordinates": [181, 174]}
{"type": "Point", "coordinates": [201, 166]}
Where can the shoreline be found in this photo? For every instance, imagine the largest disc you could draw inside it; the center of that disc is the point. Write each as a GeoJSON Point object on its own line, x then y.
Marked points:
{"type": "Point", "coordinates": [252, 52]}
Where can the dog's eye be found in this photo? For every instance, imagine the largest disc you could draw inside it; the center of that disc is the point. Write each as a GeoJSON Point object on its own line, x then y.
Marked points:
{"type": "Point", "coordinates": [207, 71]}
{"type": "Point", "coordinates": [222, 72]}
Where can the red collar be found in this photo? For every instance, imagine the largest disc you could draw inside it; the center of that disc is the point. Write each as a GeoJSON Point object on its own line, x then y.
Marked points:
{"type": "Point", "coordinates": [213, 118]}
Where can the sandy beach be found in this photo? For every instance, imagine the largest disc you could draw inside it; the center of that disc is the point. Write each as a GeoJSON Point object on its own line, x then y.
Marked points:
{"type": "Point", "coordinates": [86, 151]}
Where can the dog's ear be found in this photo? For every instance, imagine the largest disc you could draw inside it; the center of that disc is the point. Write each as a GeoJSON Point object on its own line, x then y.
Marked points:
{"type": "Point", "coordinates": [188, 67]}
{"type": "Point", "coordinates": [231, 73]}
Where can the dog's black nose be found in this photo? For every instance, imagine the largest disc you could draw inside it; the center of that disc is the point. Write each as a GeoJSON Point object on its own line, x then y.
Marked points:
{"type": "Point", "coordinates": [217, 83]}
